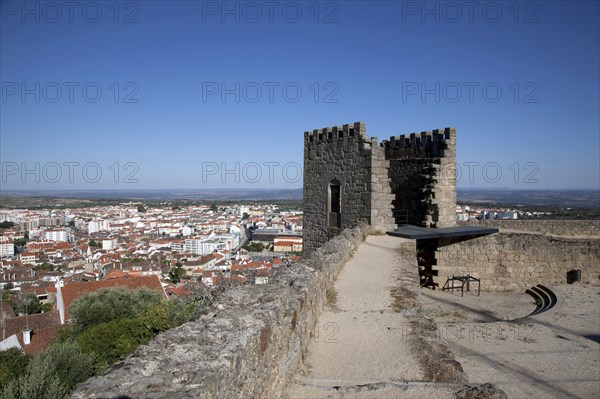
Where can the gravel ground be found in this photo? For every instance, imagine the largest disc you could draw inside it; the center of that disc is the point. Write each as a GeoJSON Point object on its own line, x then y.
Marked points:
{"type": "Point", "coordinates": [555, 354]}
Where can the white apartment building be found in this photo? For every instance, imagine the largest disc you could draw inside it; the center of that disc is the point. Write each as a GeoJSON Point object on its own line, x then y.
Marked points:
{"type": "Point", "coordinates": [188, 230]}
{"type": "Point", "coordinates": [98, 225]}
{"type": "Point", "coordinates": [109, 244]}
{"type": "Point", "coordinates": [55, 235]}
{"type": "Point", "coordinates": [193, 245]}
{"type": "Point", "coordinates": [7, 247]}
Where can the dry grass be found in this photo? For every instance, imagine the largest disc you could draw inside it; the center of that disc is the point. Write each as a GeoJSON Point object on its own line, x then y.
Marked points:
{"type": "Point", "coordinates": [404, 299]}
{"type": "Point", "coordinates": [331, 298]}
{"type": "Point", "coordinates": [435, 359]}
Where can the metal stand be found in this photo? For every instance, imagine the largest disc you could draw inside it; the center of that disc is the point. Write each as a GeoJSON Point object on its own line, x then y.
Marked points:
{"type": "Point", "coordinates": [463, 281]}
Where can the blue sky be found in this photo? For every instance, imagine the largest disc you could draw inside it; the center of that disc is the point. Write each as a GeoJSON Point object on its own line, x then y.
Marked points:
{"type": "Point", "coordinates": [173, 94]}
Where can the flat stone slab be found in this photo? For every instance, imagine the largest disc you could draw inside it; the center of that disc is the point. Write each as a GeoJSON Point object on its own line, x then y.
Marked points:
{"type": "Point", "coordinates": [422, 233]}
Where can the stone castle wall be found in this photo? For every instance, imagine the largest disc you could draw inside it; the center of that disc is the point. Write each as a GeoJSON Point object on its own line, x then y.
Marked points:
{"type": "Point", "coordinates": [344, 154]}
{"type": "Point", "coordinates": [249, 346]}
{"type": "Point", "coordinates": [423, 176]}
{"type": "Point", "coordinates": [515, 261]}
{"type": "Point", "coordinates": [570, 228]}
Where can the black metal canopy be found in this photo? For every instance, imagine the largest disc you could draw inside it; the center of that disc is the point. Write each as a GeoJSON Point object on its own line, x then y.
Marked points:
{"type": "Point", "coordinates": [423, 233]}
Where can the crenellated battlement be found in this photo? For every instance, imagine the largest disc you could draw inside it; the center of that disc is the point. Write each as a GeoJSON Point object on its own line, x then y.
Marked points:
{"type": "Point", "coordinates": [349, 177]}
{"type": "Point", "coordinates": [351, 131]}
{"type": "Point", "coordinates": [427, 144]}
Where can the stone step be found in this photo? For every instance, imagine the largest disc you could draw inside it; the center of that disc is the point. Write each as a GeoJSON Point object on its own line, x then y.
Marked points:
{"type": "Point", "coordinates": [312, 388]}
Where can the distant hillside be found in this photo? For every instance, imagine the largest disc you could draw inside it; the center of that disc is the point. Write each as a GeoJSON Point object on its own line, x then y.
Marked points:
{"type": "Point", "coordinates": [174, 194]}
{"type": "Point", "coordinates": [589, 199]}
{"type": "Point", "coordinates": [77, 199]}
{"type": "Point", "coordinates": [561, 198]}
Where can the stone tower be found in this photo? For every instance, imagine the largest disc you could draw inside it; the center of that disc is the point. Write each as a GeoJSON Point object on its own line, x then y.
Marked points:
{"type": "Point", "coordinates": [348, 177]}
{"type": "Point", "coordinates": [345, 181]}
{"type": "Point", "coordinates": [423, 176]}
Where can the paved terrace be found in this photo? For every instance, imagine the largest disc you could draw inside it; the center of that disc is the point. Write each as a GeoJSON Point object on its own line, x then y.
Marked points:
{"type": "Point", "coordinates": [360, 351]}
{"type": "Point", "coordinates": [554, 354]}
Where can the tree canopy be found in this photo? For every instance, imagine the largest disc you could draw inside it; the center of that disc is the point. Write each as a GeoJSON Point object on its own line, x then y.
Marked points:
{"type": "Point", "coordinates": [52, 374]}
{"type": "Point", "coordinates": [108, 304]}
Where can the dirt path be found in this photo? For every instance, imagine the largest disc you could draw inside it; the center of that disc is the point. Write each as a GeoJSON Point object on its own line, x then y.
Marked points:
{"type": "Point", "coordinates": [359, 351]}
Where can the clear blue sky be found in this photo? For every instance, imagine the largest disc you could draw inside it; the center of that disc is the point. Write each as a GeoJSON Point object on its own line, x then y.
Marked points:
{"type": "Point", "coordinates": [368, 61]}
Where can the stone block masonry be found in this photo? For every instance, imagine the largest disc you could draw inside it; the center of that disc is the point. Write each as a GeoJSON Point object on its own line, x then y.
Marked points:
{"type": "Point", "coordinates": [515, 261]}
{"type": "Point", "coordinates": [566, 228]}
{"type": "Point", "coordinates": [423, 176]}
{"type": "Point", "coordinates": [345, 182]}
{"type": "Point", "coordinates": [349, 178]}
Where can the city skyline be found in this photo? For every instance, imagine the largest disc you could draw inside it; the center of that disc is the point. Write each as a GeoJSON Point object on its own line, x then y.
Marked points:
{"type": "Point", "coordinates": [147, 95]}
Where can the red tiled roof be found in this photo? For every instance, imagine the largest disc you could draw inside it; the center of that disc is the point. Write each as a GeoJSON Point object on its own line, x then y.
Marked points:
{"type": "Point", "coordinates": [43, 326]}
{"type": "Point", "coordinates": [116, 273]}
{"type": "Point", "coordinates": [7, 309]}
{"type": "Point", "coordinates": [286, 243]}
{"type": "Point", "coordinates": [180, 291]}
{"type": "Point", "coordinates": [239, 279]}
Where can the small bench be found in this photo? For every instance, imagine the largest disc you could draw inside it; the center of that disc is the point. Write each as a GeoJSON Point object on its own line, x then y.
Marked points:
{"type": "Point", "coordinates": [463, 281]}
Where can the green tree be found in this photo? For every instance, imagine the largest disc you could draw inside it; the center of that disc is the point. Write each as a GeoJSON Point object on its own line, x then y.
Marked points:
{"type": "Point", "coordinates": [245, 216]}
{"type": "Point", "coordinates": [19, 242]}
{"type": "Point", "coordinates": [70, 364]}
{"type": "Point", "coordinates": [254, 247]}
{"type": "Point", "coordinates": [6, 224]}
{"type": "Point", "coordinates": [28, 304]}
{"type": "Point", "coordinates": [53, 374]}
{"type": "Point", "coordinates": [140, 208]}
{"type": "Point", "coordinates": [44, 266]}
{"type": "Point", "coordinates": [178, 271]}
{"type": "Point", "coordinates": [6, 294]}
{"type": "Point", "coordinates": [213, 207]}
{"type": "Point", "coordinates": [64, 334]}
{"type": "Point", "coordinates": [170, 314]}
{"type": "Point", "coordinates": [13, 363]}
{"type": "Point", "coordinates": [108, 304]}
{"type": "Point", "coordinates": [92, 243]}
{"type": "Point", "coordinates": [114, 341]}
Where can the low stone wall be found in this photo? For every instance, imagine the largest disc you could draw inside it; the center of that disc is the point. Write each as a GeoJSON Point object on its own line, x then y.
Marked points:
{"type": "Point", "coordinates": [588, 228]}
{"type": "Point", "coordinates": [249, 346]}
{"type": "Point", "coordinates": [515, 261]}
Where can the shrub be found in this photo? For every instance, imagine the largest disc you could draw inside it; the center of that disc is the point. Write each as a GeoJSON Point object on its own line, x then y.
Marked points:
{"type": "Point", "coordinates": [169, 315]}
{"type": "Point", "coordinates": [53, 374]}
{"type": "Point", "coordinates": [13, 363]}
{"type": "Point", "coordinates": [113, 341]}
{"type": "Point", "coordinates": [109, 304]}
{"type": "Point", "coordinates": [64, 334]}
